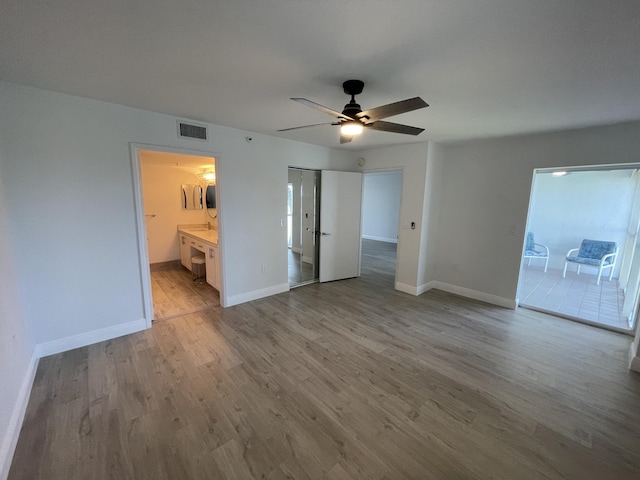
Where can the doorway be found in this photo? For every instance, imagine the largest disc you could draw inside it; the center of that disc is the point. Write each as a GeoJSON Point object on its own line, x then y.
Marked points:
{"type": "Point", "coordinates": [303, 226]}
{"type": "Point", "coordinates": [175, 189]}
{"type": "Point", "coordinates": [324, 216]}
{"type": "Point", "coordinates": [381, 199]}
{"type": "Point", "coordinates": [568, 207]}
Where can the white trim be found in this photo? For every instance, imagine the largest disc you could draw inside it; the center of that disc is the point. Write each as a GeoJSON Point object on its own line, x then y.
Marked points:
{"type": "Point", "coordinates": [256, 294]}
{"type": "Point", "coordinates": [425, 287]}
{"type": "Point", "coordinates": [88, 338]}
{"type": "Point", "coordinates": [143, 254]}
{"type": "Point", "coordinates": [307, 259]}
{"type": "Point", "coordinates": [400, 249]}
{"type": "Point", "coordinates": [403, 287]}
{"type": "Point", "coordinates": [296, 249]}
{"type": "Point", "coordinates": [469, 293]}
{"type": "Point", "coordinates": [141, 228]}
{"type": "Point", "coordinates": [380, 239]}
{"type": "Point", "coordinates": [10, 439]}
{"type": "Point", "coordinates": [634, 361]}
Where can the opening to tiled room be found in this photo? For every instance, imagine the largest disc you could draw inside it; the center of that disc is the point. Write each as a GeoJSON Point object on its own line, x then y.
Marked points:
{"type": "Point", "coordinates": [571, 213]}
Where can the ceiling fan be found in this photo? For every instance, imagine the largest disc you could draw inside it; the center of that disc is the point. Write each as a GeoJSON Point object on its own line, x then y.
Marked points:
{"type": "Point", "coordinates": [352, 120]}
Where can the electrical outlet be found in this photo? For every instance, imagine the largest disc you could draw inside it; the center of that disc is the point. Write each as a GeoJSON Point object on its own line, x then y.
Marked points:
{"type": "Point", "coordinates": [263, 269]}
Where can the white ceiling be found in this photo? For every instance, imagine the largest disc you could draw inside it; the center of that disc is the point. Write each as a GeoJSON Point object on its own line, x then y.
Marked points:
{"type": "Point", "coordinates": [190, 162]}
{"type": "Point", "coordinates": [486, 67]}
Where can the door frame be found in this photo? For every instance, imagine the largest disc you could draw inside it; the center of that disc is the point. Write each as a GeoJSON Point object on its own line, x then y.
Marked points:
{"type": "Point", "coordinates": [338, 272]}
{"type": "Point", "coordinates": [141, 225]}
{"type": "Point", "coordinates": [317, 171]}
{"type": "Point", "coordinates": [576, 168]}
{"type": "Point", "coordinates": [400, 240]}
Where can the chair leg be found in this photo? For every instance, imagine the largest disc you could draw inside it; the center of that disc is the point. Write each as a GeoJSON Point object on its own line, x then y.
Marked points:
{"type": "Point", "coordinates": [611, 274]}
{"type": "Point", "coordinates": [599, 275]}
{"type": "Point", "coordinates": [546, 264]}
{"type": "Point", "coordinates": [579, 269]}
{"type": "Point", "coordinates": [564, 273]}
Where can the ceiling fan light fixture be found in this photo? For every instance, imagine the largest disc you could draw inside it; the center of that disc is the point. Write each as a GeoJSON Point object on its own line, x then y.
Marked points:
{"type": "Point", "coordinates": [351, 128]}
{"type": "Point", "coordinates": [208, 176]}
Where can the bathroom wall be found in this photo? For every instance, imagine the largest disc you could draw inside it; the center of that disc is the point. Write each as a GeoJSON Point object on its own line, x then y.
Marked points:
{"type": "Point", "coordinates": [161, 184]}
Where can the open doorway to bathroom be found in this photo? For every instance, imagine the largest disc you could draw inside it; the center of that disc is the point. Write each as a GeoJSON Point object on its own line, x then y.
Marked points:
{"type": "Point", "coordinates": [381, 197]}
{"type": "Point", "coordinates": [582, 247]}
{"type": "Point", "coordinates": [180, 224]}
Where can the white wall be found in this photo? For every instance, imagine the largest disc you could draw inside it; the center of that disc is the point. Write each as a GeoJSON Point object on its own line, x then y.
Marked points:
{"type": "Point", "coordinates": [74, 233]}
{"type": "Point", "coordinates": [381, 196]}
{"type": "Point", "coordinates": [17, 364]}
{"type": "Point", "coordinates": [412, 161]}
{"type": "Point", "coordinates": [162, 197]}
{"type": "Point", "coordinates": [565, 210]}
{"type": "Point", "coordinates": [427, 269]}
{"type": "Point", "coordinates": [485, 195]}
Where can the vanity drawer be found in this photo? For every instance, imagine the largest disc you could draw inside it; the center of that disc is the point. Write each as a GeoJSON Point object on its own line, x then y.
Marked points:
{"type": "Point", "coordinates": [197, 244]}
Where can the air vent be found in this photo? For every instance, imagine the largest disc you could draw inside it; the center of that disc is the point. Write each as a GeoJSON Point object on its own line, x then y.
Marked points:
{"type": "Point", "coordinates": [187, 130]}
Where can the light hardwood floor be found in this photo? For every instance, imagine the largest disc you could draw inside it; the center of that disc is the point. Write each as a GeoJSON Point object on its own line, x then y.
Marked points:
{"type": "Point", "coordinates": [342, 381]}
{"type": "Point", "coordinates": [175, 293]}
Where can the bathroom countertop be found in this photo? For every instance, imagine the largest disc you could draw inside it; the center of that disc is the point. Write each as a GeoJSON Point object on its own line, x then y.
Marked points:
{"type": "Point", "coordinates": [202, 233]}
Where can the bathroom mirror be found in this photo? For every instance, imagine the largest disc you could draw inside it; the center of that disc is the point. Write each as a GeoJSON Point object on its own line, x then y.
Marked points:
{"type": "Point", "coordinates": [191, 197]}
{"type": "Point", "coordinates": [211, 196]}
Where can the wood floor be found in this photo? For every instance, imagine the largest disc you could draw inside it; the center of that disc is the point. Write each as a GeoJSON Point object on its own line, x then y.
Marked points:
{"type": "Point", "coordinates": [175, 293]}
{"type": "Point", "coordinates": [342, 381]}
{"type": "Point", "coordinates": [299, 271]}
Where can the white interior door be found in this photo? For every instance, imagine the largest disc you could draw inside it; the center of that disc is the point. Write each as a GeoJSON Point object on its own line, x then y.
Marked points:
{"type": "Point", "coordinates": [340, 217]}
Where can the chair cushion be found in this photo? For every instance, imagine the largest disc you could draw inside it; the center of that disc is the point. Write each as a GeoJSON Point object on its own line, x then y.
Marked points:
{"type": "Point", "coordinates": [595, 250]}
{"type": "Point", "coordinates": [585, 261]}
{"type": "Point", "coordinates": [529, 244]}
{"type": "Point", "coordinates": [534, 253]}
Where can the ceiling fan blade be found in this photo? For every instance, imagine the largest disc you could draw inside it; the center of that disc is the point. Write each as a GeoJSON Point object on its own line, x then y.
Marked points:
{"type": "Point", "coordinates": [392, 109]}
{"type": "Point", "coordinates": [305, 126]}
{"type": "Point", "coordinates": [395, 128]}
{"type": "Point", "coordinates": [345, 139]}
{"type": "Point", "coordinates": [322, 108]}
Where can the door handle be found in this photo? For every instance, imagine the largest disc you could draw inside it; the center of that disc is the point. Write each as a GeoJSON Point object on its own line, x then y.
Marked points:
{"type": "Point", "coordinates": [324, 234]}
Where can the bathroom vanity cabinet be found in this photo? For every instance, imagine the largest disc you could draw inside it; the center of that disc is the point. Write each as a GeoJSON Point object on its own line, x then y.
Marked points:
{"type": "Point", "coordinates": [199, 239]}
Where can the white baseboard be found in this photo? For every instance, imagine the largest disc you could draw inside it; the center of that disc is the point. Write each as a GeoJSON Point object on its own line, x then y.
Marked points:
{"type": "Point", "coordinates": [256, 294]}
{"type": "Point", "coordinates": [10, 439]}
{"type": "Point", "coordinates": [474, 294]}
{"type": "Point", "coordinates": [403, 287]}
{"type": "Point", "coordinates": [634, 361]}
{"type": "Point", "coordinates": [380, 239]}
{"type": "Point", "coordinates": [296, 249]}
{"type": "Point", "coordinates": [88, 338]}
{"type": "Point", "coordinates": [307, 259]}
{"type": "Point", "coordinates": [410, 289]}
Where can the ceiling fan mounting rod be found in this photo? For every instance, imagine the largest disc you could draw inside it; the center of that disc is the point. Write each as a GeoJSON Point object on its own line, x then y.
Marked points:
{"type": "Point", "coordinates": [353, 88]}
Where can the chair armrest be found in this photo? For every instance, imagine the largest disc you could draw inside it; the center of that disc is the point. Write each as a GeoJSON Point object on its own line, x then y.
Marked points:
{"type": "Point", "coordinates": [544, 247]}
{"type": "Point", "coordinates": [571, 251]}
{"type": "Point", "coordinates": [614, 254]}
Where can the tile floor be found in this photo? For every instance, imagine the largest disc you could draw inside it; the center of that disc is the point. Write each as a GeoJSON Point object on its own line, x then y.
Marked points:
{"type": "Point", "coordinates": [575, 296]}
